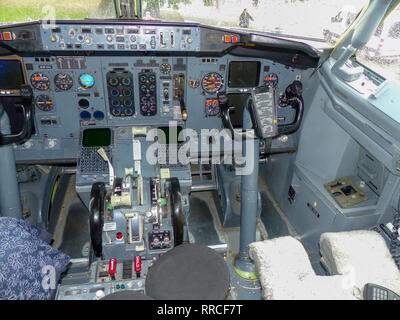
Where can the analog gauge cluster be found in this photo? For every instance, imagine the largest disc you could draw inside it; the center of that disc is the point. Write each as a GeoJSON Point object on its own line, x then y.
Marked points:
{"type": "Point", "coordinates": [62, 81]}
{"type": "Point", "coordinates": [147, 93]}
{"type": "Point", "coordinates": [120, 93]}
{"type": "Point", "coordinates": [212, 83]}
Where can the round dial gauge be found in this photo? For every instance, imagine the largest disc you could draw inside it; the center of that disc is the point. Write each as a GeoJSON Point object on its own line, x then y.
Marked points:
{"type": "Point", "coordinates": [126, 82]}
{"type": "Point", "coordinates": [40, 81]}
{"type": "Point", "coordinates": [212, 82]}
{"type": "Point", "coordinates": [44, 103]}
{"type": "Point", "coordinates": [86, 81]}
{"type": "Point", "coordinates": [63, 81]}
{"type": "Point", "coordinates": [271, 80]}
{"type": "Point", "coordinates": [212, 107]}
{"type": "Point", "coordinates": [165, 68]}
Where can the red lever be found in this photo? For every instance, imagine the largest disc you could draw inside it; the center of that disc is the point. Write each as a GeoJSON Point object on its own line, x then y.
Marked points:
{"type": "Point", "coordinates": [138, 264]}
{"type": "Point", "coordinates": [112, 267]}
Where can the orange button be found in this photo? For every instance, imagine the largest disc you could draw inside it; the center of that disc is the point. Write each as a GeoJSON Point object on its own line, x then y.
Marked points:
{"type": "Point", "coordinates": [227, 38]}
{"type": "Point", "coordinates": [7, 36]}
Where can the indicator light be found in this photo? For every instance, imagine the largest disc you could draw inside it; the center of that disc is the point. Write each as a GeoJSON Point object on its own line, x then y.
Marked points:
{"type": "Point", "coordinates": [227, 39]}
{"type": "Point", "coordinates": [235, 39]}
{"type": "Point", "coordinates": [119, 236]}
{"type": "Point", "coordinates": [7, 36]}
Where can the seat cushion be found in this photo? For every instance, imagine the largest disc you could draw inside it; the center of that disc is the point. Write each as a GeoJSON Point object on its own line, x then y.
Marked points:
{"type": "Point", "coordinates": [362, 256]}
{"type": "Point", "coordinates": [285, 273]}
{"type": "Point", "coordinates": [280, 262]}
{"type": "Point", "coordinates": [315, 288]}
{"type": "Point", "coordinates": [29, 267]}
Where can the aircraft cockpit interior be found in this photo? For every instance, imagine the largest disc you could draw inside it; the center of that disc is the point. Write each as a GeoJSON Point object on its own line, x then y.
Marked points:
{"type": "Point", "coordinates": [145, 159]}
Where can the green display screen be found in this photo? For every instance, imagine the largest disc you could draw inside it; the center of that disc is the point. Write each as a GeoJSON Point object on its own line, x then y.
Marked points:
{"type": "Point", "coordinates": [96, 137]}
{"type": "Point", "coordinates": [169, 139]}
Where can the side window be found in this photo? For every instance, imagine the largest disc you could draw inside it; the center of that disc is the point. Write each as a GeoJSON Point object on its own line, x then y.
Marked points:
{"type": "Point", "coordinates": [382, 52]}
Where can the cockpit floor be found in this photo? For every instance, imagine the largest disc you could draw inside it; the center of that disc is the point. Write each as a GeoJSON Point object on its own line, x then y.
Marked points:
{"type": "Point", "coordinates": [71, 231]}
{"type": "Point", "coordinates": [76, 237]}
{"type": "Point", "coordinates": [240, 288]}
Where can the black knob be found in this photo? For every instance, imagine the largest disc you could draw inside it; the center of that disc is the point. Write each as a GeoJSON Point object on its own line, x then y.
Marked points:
{"type": "Point", "coordinates": [294, 89]}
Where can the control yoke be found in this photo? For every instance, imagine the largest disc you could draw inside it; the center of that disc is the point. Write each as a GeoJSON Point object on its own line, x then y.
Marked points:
{"type": "Point", "coordinates": [293, 99]}
{"type": "Point", "coordinates": [263, 111]}
{"type": "Point", "coordinates": [259, 123]}
{"type": "Point", "coordinates": [27, 126]}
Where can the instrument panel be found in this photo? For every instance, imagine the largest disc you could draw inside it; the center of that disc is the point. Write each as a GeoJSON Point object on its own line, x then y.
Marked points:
{"type": "Point", "coordinates": [105, 91]}
{"type": "Point", "coordinates": [170, 71]}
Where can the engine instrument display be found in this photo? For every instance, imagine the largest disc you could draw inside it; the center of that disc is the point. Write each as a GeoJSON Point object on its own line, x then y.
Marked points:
{"type": "Point", "coordinates": [63, 81]}
{"type": "Point", "coordinates": [120, 93]}
{"type": "Point", "coordinates": [147, 93]}
{"type": "Point", "coordinates": [40, 81]}
{"type": "Point", "coordinates": [212, 82]}
{"type": "Point", "coordinates": [44, 103]}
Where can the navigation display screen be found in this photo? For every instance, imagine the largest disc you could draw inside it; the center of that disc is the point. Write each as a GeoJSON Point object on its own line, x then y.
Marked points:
{"type": "Point", "coordinates": [244, 74]}
{"type": "Point", "coordinates": [11, 76]}
{"type": "Point", "coordinates": [96, 137]}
